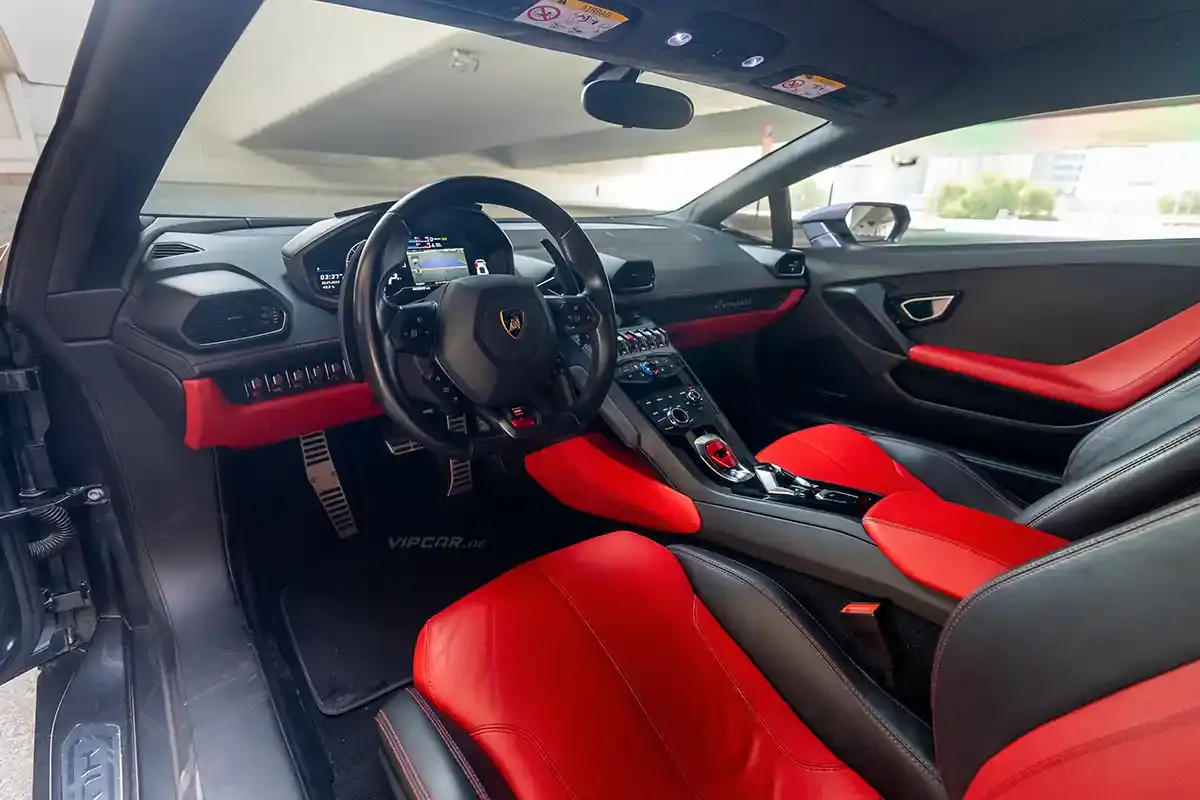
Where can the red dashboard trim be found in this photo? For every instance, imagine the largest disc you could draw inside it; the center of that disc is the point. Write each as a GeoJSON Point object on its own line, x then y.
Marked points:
{"type": "Point", "coordinates": [1108, 381]}
{"type": "Point", "coordinates": [697, 332]}
{"type": "Point", "coordinates": [213, 421]}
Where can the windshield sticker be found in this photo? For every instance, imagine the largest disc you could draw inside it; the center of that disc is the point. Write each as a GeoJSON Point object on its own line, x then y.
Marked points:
{"type": "Point", "coordinates": [810, 86]}
{"type": "Point", "coordinates": [572, 17]}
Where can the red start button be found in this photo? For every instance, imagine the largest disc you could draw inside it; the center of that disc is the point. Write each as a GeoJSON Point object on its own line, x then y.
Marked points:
{"type": "Point", "coordinates": [719, 453]}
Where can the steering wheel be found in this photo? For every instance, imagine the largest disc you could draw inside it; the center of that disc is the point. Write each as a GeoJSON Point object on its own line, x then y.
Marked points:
{"type": "Point", "coordinates": [488, 344]}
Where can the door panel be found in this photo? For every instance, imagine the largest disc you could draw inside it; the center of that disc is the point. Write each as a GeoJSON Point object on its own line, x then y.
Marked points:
{"type": "Point", "coordinates": [1042, 342]}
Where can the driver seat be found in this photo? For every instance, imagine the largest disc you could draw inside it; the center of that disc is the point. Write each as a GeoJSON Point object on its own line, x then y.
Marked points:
{"type": "Point", "coordinates": [617, 668]}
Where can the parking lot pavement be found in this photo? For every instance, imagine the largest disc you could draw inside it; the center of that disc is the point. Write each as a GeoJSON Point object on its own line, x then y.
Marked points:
{"type": "Point", "coordinates": [16, 737]}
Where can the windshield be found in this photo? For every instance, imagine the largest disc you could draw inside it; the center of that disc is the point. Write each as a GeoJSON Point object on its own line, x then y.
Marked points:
{"type": "Point", "coordinates": [321, 107]}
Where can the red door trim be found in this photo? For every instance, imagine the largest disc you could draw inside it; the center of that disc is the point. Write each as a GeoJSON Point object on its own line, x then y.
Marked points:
{"type": "Point", "coordinates": [1108, 381]}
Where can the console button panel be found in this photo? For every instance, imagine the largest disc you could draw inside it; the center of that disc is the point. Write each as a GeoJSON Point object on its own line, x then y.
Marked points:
{"type": "Point", "coordinates": [646, 370]}
{"type": "Point", "coordinates": [282, 379]}
{"type": "Point", "coordinates": [678, 409]}
{"type": "Point", "coordinates": [631, 341]}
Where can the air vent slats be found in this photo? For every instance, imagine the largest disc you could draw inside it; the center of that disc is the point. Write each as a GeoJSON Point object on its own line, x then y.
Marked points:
{"type": "Point", "coordinates": [790, 265]}
{"type": "Point", "coordinates": [168, 249]}
{"type": "Point", "coordinates": [634, 277]}
{"type": "Point", "coordinates": [233, 318]}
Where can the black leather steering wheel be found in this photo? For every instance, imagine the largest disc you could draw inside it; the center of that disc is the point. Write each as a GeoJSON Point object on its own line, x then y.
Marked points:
{"type": "Point", "coordinates": [491, 345]}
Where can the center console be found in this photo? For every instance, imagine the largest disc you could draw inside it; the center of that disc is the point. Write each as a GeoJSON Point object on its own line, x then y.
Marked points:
{"type": "Point", "coordinates": [652, 374]}
{"type": "Point", "coordinates": [710, 481]}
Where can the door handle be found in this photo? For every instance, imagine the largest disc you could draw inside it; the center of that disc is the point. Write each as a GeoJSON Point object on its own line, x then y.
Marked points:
{"type": "Point", "coordinates": [927, 308]}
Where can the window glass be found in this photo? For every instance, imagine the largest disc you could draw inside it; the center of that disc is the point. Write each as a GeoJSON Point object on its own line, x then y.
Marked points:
{"type": "Point", "coordinates": [375, 105]}
{"type": "Point", "coordinates": [1121, 172]}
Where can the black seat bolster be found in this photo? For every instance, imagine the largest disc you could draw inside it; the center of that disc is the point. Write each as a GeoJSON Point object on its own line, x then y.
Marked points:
{"type": "Point", "coordinates": [950, 477]}
{"type": "Point", "coordinates": [1150, 477]}
{"type": "Point", "coordinates": [430, 757]}
{"type": "Point", "coordinates": [861, 724]}
{"type": "Point", "coordinates": [1064, 631]}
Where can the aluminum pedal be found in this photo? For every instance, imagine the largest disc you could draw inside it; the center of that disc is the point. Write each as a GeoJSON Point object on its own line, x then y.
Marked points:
{"type": "Point", "coordinates": [323, 477]}
{"type": "Point", "coordinates": [462, 480]}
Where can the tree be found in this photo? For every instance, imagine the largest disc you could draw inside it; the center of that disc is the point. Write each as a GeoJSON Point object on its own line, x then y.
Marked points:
{"type": "Point", "coordinates": [949, 199]}
{"type": "Point", "coordinates": [1037, 202]}
{"type": "Point", "coordinates": [1168, 204]}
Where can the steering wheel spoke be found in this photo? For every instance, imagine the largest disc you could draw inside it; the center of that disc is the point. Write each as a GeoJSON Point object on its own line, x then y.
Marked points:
{"type": "Point", "coordinates": [574, 314]}
{"type": "Point", "coordinates": [486, 341]}
{"type": "Point", "coordinates": [414, 328]}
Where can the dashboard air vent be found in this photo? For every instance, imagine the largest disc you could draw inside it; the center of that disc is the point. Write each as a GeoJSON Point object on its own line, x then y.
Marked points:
{"type": "Point", "coordinates": [790, 265]}
{"type": "Point", "coordinates": [168, 249]}
{"type": "Point", "coordinates": [634, 277]}
{"type": "Point", "coordinates": [234, 318]}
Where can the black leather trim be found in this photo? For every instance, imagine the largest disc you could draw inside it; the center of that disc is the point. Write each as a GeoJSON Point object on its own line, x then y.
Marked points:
{"type": "Point", "coordinates": [1063, 631]}
{"type": "Point", "coordinates": [1137, 426]}
{"type": "Point", "coordinates": [1150, 477]}
{"type": "Point", "coordinates": [860, 723]}
{"type": "Point", "coordinates": [950, 477]}
{"type": "Point", "coordinates": [431, 758]}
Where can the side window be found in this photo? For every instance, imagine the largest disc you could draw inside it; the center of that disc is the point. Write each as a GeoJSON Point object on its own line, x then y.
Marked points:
{"type": "Point", "coordinates": [1112, 173]}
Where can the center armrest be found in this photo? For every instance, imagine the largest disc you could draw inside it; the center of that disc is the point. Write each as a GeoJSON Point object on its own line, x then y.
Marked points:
{"type": "Point", "coordinates": [951, 548]}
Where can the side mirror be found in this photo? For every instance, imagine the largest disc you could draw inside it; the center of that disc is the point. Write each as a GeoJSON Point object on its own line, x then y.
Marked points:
{"type": "Point", "coordinates": [637, 105]}
{"type": "Point", "coordinates": [856, 224]}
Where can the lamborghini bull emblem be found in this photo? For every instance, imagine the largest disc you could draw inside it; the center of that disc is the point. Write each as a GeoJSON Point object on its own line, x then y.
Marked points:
{"type": "Point", "coordinates": [513, 320]}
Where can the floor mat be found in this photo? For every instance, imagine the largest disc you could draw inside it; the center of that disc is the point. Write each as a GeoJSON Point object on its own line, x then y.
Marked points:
{"type": "Point", "coordinates": [354, 622]}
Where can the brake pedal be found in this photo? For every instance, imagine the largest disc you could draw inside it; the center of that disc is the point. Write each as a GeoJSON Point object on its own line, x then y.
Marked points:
{"type": "Point", "coordinates": [323, 478]}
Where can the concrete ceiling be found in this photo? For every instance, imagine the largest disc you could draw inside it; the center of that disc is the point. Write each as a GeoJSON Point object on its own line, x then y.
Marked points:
{"type": "Point", "coordinates": [519, 107]}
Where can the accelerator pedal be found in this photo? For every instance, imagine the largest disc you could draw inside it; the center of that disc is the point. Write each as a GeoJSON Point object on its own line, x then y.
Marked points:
{"type": "Point", "coordinates": [461, 480]}
{"type": "Point", "coordinates": [323, 478]}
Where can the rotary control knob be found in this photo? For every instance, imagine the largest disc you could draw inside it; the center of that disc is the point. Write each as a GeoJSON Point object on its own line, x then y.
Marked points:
{"type": "Point", "coordinates": [679, 416]}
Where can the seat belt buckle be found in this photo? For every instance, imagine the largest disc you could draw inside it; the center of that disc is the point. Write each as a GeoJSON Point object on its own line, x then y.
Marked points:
{"type": "Point", "coordinates": [861, 621]}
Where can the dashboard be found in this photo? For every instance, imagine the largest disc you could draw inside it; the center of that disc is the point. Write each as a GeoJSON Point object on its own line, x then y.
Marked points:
{"type": "Point", "coordinates": [230, 330]}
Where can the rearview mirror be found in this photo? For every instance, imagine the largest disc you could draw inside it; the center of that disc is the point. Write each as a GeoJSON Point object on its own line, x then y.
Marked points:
{"type": "Point", "coordinates": [637, 105]}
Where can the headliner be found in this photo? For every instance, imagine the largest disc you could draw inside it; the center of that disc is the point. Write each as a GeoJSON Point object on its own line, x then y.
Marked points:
{"type": "Point", "coordinates": [908, 50]}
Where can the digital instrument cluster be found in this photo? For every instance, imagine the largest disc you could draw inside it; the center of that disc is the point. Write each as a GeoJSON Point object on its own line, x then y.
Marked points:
{"type": "Point", "coordinates": [429, 261]}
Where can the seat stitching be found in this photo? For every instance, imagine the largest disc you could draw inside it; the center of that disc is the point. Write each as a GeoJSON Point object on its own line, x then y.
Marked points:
{"type": "Point", "coordinates": [830, 456]}
{"type": "Point", "coordinates": [570, 602]}
{"type": "Point", "coordinates": [880, 723]}
{"type": "Point", "coordinates": [484, 730]}
{"type": "Point", "coordinates": [1147, 728]}
{"type": "Point", "coordinates": [455, 751]}
{"type": "Point", "coordinates": [784, 749]}
{"type": "Point", "coordinates": [1057, 557]}
{"type": "Point", "coordinates": [1133, 409]}
{"type": "Point", "coordinates": [393, 741]}
{"type": "Point", "coordinates": [411, 763]}
{"type": "Point", "coordinates": [953, 542]}
{"type": "Point", "coordinates": [1090, 485]}
{"type": "Point", "coordinates": [957, 464]}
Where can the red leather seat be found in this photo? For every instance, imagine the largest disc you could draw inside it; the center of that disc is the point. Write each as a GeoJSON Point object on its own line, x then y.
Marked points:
{"type": "Point", "coordinates": [1135, 462]}
{"type": "Point", "coordinates": [618, 668]}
